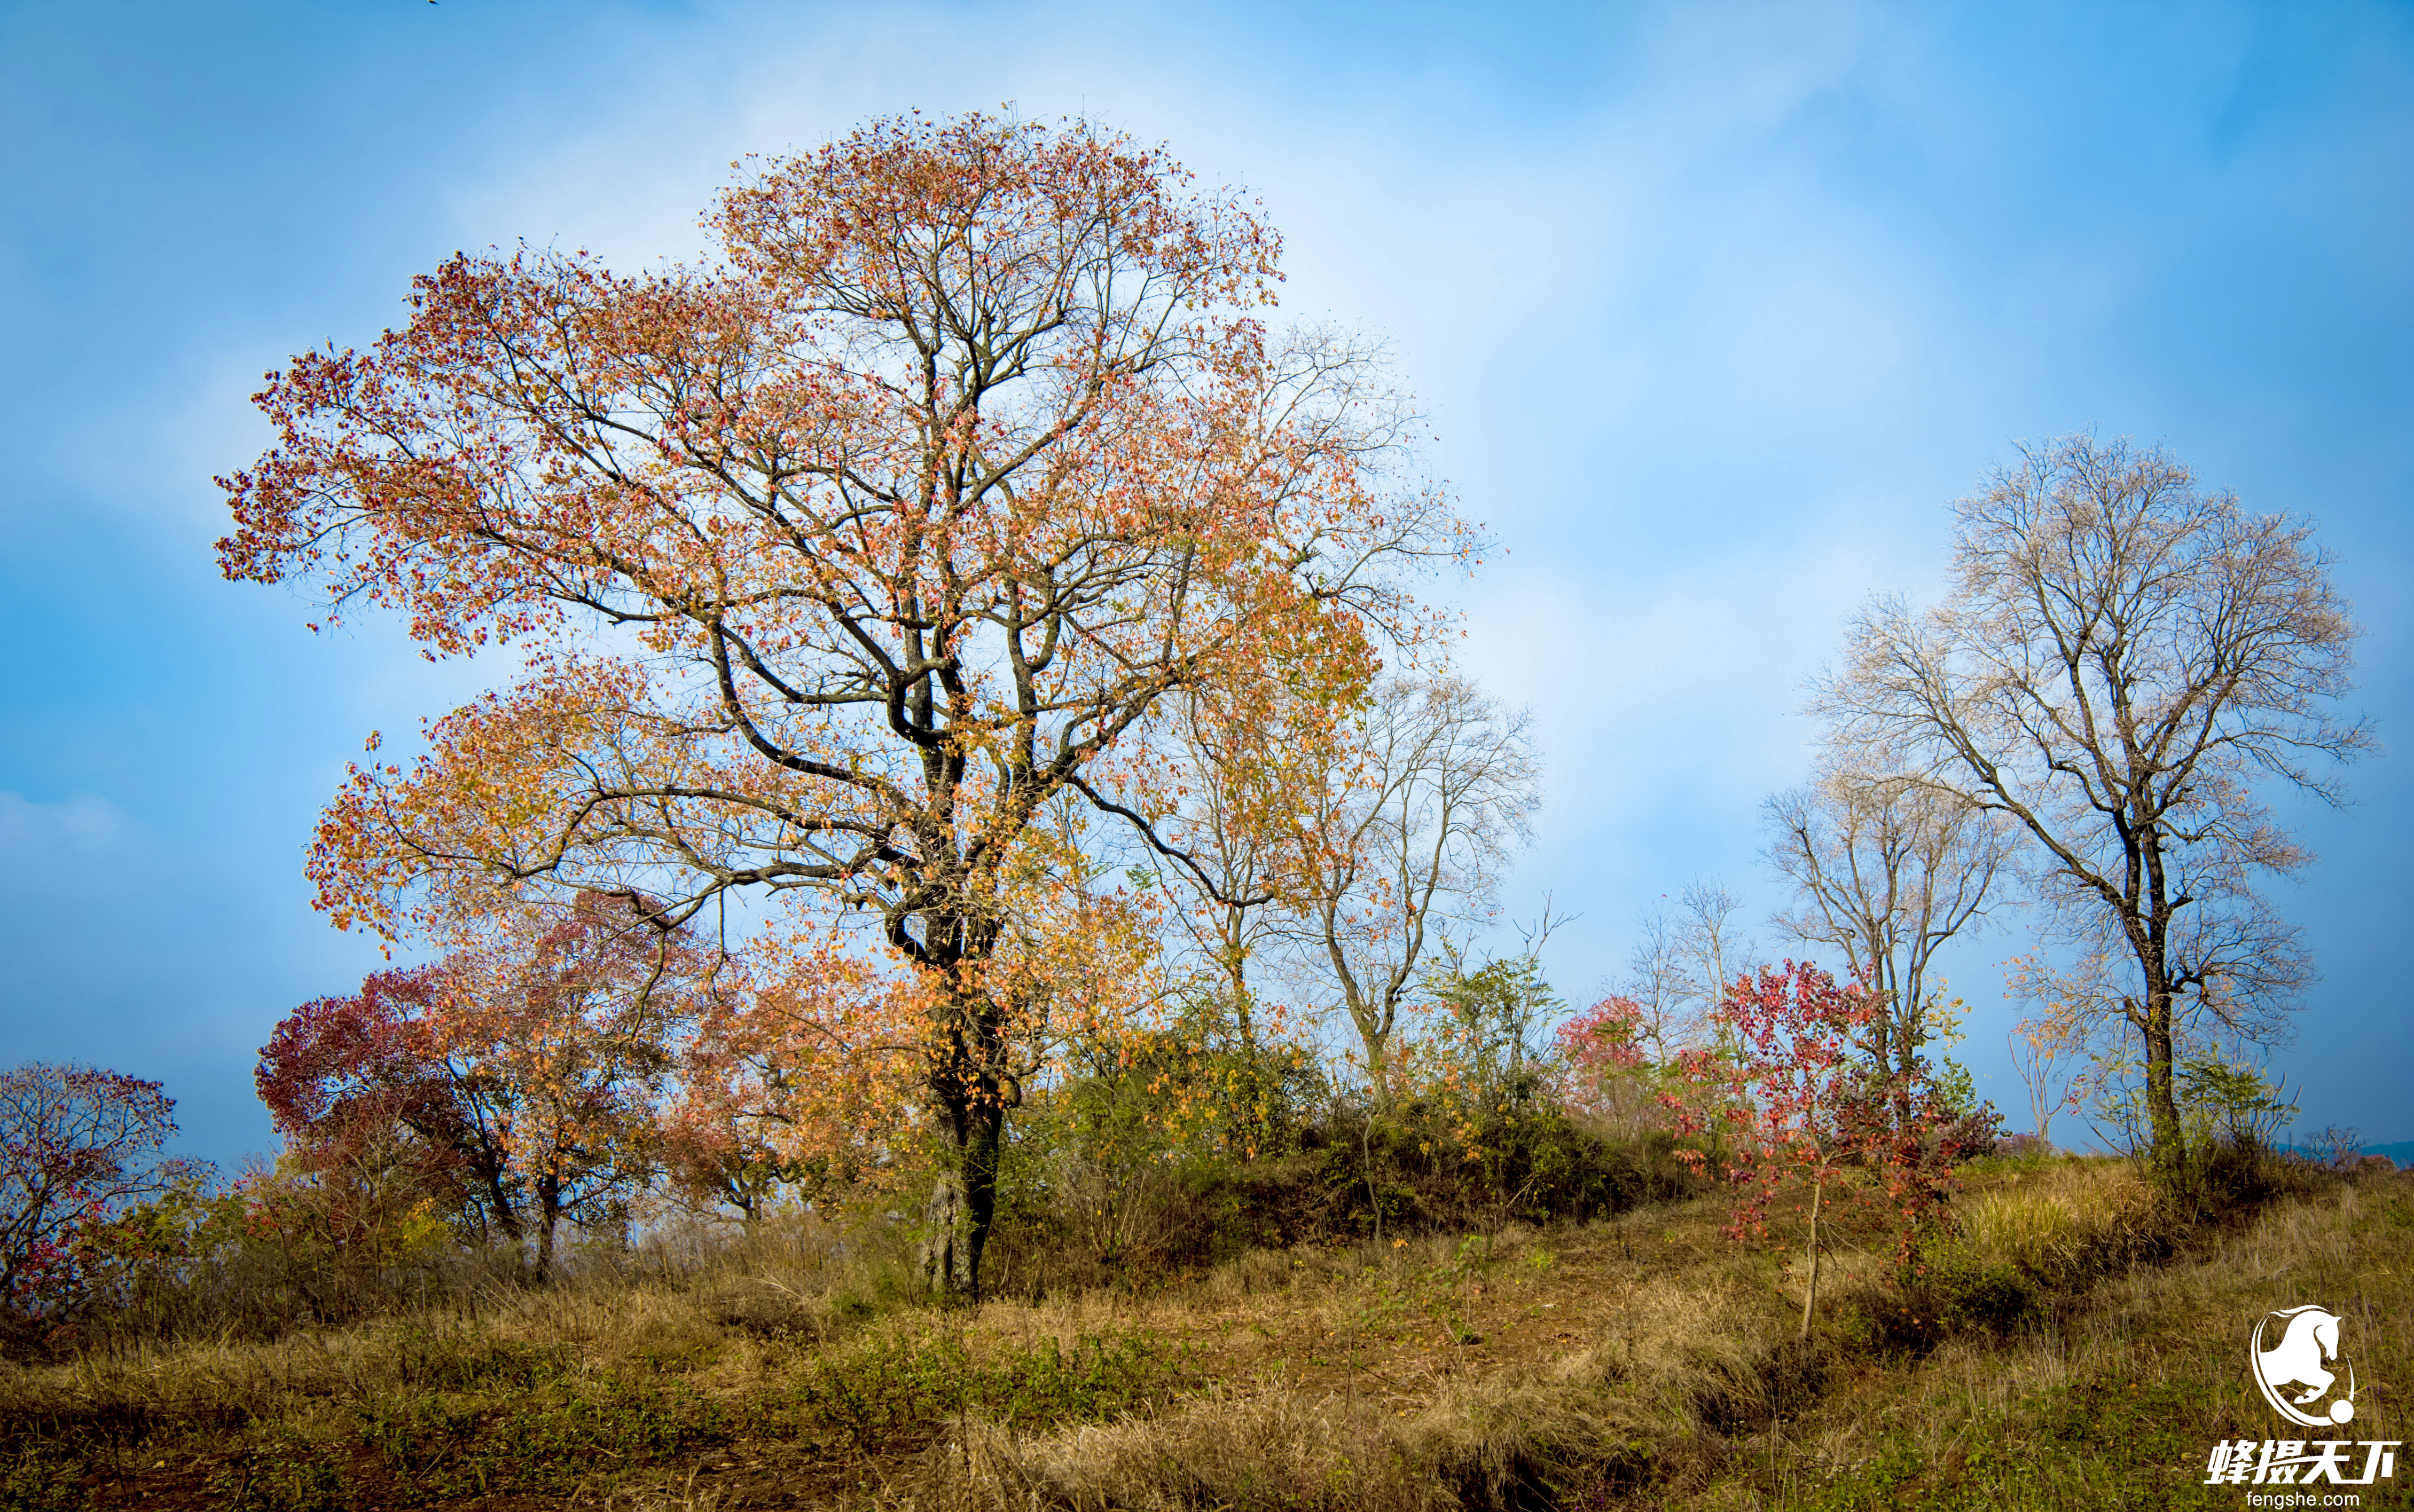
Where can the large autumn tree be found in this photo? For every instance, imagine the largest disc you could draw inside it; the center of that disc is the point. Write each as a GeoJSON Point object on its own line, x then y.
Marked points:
{"type": "Point", "coordinates": [844, 554]}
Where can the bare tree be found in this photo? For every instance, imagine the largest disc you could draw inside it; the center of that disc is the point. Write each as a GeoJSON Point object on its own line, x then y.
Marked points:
{"type": "Point", "coordinates": [2042, 1049]}
{"type": "Point", "coordinates": [2123, 656]}
{"type": "Point", "coordinates": [1402, 841]}
{"type": "Point", "coordinates": [1711, 950]}
{"type": "Point", "coordinates": [1682, 965]}
{"type": "Point", "coordinates": [1885, 869]}
{"type": "Point", "coordinates": [1655, 982]}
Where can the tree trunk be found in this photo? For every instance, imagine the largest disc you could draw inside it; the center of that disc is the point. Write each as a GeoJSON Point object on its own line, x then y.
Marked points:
{"type": "Point", "coordinates": [507, 1217]}
{"type": "Point", "coordinates": [1810, 1295]}
{"type": "Point", "coordinates": [963, 1202]}
{"type": "Point", "coordinates": [2162, 1104]}
{"type": "Point", "coordinates": [2149, 938]}
{"type": "Point", "coordinates": [1898, 1059]}
{"type": "Point", "coordinates": [1906, 1077]}
{"type": "Point", "coordinates": [1250, 1092]}
{"type": "Point", "coordinates": [549, 1197]}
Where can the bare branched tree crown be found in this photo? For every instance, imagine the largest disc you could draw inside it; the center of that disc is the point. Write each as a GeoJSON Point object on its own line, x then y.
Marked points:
{"type": "Point", "coordinates": [1886, 869]}
{"type": "Point", "coordinates": [1683, 964]}
{"type": "Point", "coordinates": [1403, 842]}
{"type": "Point", "coordinates": [2124, 659]}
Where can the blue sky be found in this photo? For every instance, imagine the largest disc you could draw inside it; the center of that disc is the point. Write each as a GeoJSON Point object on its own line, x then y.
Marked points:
{"type": "Point", "coordinates": [1715, 309]}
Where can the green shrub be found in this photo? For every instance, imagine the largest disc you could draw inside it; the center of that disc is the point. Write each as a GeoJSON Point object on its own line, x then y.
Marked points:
{"type": "Point", "coordinates": [29, 1482]}
{"type": "Point", "coordinates": [1529, 1163]}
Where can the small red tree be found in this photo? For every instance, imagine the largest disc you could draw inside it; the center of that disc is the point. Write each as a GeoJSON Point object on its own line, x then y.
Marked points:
{"type": "Point", "coordinates": [526, 1066]}
{"type": "Point", "coordinates": [77, 1146]}
{"type": "Point", "coordinates": [1604, 1074]}
{"type": "Point", "coordinates": [361, 1080]}
{"type": "Point", "coordinates": [1803, 1106]}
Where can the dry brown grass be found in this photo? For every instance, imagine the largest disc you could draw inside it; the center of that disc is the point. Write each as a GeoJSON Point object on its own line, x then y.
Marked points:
{"type": "Point", "coordinates": [1431, 1373]}
{"type": "Point", "coordinates": [1644, 1360]}
{"type": "Point", "coordinates": [2125, 1387]}
{"type": "Point", "coordinates": [1679, 1383]}
{"type": "Point", "coordinates": [2051, 1221]}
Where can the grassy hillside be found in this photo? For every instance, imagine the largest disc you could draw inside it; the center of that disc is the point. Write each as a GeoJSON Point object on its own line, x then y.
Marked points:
{"type": "Point", "coordinates": [2077, 1346]}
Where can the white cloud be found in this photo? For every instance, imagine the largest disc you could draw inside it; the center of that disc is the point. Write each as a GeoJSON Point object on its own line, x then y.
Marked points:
{"type": "Point", "coordinates": [44, 844]}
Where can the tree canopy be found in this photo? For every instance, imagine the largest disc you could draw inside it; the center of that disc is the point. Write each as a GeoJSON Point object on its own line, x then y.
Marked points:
{"type": "Point", "coordinates": [2124, 655]}
{"type": "Point", "coordinates": [841, 557]}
